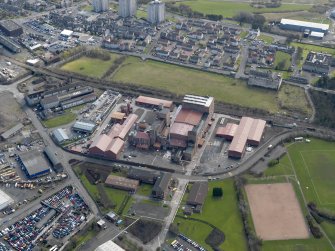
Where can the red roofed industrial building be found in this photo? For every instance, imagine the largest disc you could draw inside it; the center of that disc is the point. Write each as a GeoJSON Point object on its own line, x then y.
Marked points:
{"type": "Point", "coordinates": [227, 132]}
{"type": "Point", "coordinates": [249, 131]}
{"type": "Point", "coordinates": [188, 116]}
{"type": "Point", "coordinates": [111, 145]}
{"type": "Point", "coordinates": [154, 102]}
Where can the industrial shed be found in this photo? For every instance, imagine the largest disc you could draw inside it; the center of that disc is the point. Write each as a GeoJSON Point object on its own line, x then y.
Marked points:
{"type": "Point", "coordinates": [33, 164]}
{"type": "Point", "coordinates": [5, 200]}
{"type": "Point", "coordinates": [227, 132]}
{"type": "Point", "coordinates": [153, 102]}
{"type": "Point", "coordinates": [60, 135]}
{"type": "Point", "coordinates": [122, 183]}
{"type": "Point", "coordinates": [10, 28]}
{"type": "Point", "coordinates": [144, 176]}
{"type": "Point", "coordinates": [249, 131]}
{"type": "Point", "coordinates": [51, 156]}
{"type": "Point", "coordinates": [198, 193]}
{"type": "Point", "coordinates": [84, 127]}
{"type": "Point", "coordinates": [12, 131]}
{"type": "Point", "coordinates": [301, 26]}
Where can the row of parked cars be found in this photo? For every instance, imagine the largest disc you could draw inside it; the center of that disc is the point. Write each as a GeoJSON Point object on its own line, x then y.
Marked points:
{"type": "Point", "coordinates": [55, 201]}
{"type": "Point", "coordinates": [178, 246]}
{"type": "Point", "coordinates": [21, 234]}
{"type": "Point", "coordinates": [191, 242]}
{"type": "Point", "coordinates": [3, 247]}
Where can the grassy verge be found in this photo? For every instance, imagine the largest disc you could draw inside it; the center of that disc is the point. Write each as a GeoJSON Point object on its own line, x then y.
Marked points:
{"type": "Point", "coordinates": [144, 189]}
{"type": "Point", "coordinates": [222, 213]}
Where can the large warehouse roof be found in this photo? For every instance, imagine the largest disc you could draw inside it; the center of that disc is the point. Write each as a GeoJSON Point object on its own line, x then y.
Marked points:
{"type": "Point", "coordinates": [198, 100]}
{"type": "Point", "coordinates": [109, 246]}
{"type": "Point", "coordinates": [323, 27]}
{"type": "Point", "coordinates": [9, 25]}
{"type": "Point", "coordinates": [5, 200]}
{"type": "Point", "coordinates": [34, 162]}
{"type": "Point", "coordinates": [7, 134]}
{"type": "Point", "coordinates": [154, 101]}
{"type": "Point", "coordinates": [248, 129]}
{"type": "Point", "coordinates": [188, 116]}
{"type": "Point", "coordinates": [228, 130]}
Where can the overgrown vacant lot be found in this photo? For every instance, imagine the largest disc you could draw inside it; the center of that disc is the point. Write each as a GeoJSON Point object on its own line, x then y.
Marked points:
{"type": "Point", "coordinates": [90, 66]}
{"type": "Point", "coordinates": [230, 8]}
{"type": "Point", "coordinates": [181, 80]}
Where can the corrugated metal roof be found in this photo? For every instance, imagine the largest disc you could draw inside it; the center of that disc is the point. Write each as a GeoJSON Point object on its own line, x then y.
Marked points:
{"type": "Point", "coordinates": [228, 130]}
{"type": "Point", "coordinates": [34, 162]}
{"type": "Point", "coordinates": [127, 125]}
{"type": "Point", "coordinates": [323, 27]}
{"type": "Point", "coordinates": [188, 116]}
{"type": "Point", "coordinates": [109, 246]}
{"type": "Point", "coordinates": [60, 135]}
{"type": "Point", "coordinates": [122, 182]}
{"type": "Point", "coordinates": [83, 126]}
{"type": "Point", "coordinates": [248, 129]}
{"type": "Point", "coordinates": [198, 100]}
{"type": "Point", "coordinates": [12, 131]}
{"type": "Point", "coordinates": [154, 101]}
{"type": "Point", "coordinates": [116, 146]}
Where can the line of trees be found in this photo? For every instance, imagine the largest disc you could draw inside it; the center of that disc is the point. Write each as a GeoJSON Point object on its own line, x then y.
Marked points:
{"type": "Point", "coordinates": [256, 20]}
{"type": "Point", "coordinates": [254, 243]}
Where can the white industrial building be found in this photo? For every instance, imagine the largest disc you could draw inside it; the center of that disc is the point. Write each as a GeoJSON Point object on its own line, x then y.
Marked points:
{"type": "Point", "coordinates": [109, 246]}
{"type": "Point", "coordinates": [100, 5]}
{"type": "Point", "coordinates": [156, 12]}
{"type": "Point", "coordinates": [303, 26]}
{"type": "Point", "coordinates": [127, 8]}
{"type": "Point", "coordinates": [5, 200]}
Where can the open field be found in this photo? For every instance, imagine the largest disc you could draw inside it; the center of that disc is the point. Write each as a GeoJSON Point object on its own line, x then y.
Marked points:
{"type": "Point", "coordinates": [298, 15]}
{"type": "Point", "coordinates": [282, 57]}
{"type": "Point", "coordinates": [276, 212]}
{"type": "Point", "coordinates": [90, 66]}
{"type": "Point", "coordinates": [182, 80]}
{"type": "Point", "coordinates": [222, 213]}
{"type": "Point", "coordinates": [230, 8]}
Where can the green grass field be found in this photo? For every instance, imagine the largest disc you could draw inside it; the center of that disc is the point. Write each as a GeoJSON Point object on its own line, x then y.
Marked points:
{"type": "Point", "coordinates": [182, 80]}
{"type": "Point", "coordinates": [228, 9]}
{"type": "Point", "coordinates": [63, 119]}
{"type": "Point", "coordinates": [144, 189]}
{"type": "Point", "coordinates": [223, 213]}
{"type": "Point", "coordinates": [282, 56]}
{"type": "Point", "coordinates": [90, 66]}
{"type": "Point", "coordinates": [314, 165]}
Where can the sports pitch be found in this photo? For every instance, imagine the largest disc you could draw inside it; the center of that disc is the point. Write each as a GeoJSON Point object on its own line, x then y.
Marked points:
{"type": "Point", "coordinates": [276, 212]}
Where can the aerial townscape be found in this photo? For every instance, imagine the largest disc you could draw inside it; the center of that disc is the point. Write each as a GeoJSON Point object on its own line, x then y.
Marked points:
{"type": "Point", "coordinates": [158, 125]}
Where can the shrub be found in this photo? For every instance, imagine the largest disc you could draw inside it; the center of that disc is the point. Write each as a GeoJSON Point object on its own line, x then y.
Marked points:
{"type": "Point", "coordinates": [217, 192]}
